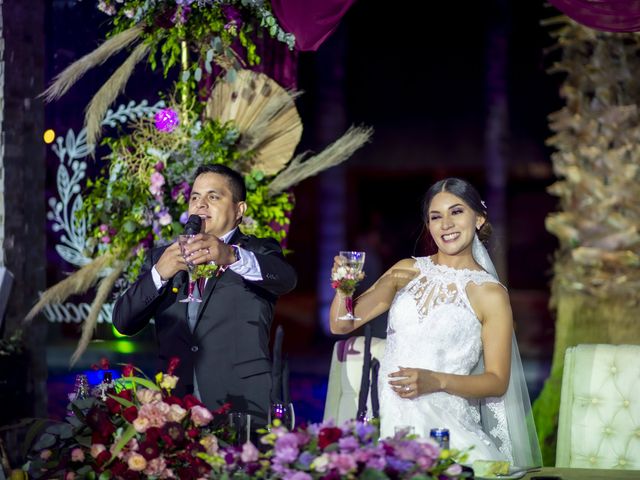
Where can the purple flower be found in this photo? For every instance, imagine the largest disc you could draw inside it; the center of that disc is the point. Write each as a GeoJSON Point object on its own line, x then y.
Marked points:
{"type": "Point", "coordinates": [184, 217]}
{"type": "Point", "coordinates": [453, 470]}
{"type": "Point", "coordinates": [348, 444]}
{"type": "Point", "coordinates": [399, 465]}
{"type": "Point", "coordinates": [343, 462]}
{"type": "Point", "coordinates": [286, 454]}
{"type": "Point", "coordinates": [164, 217]}
{"type": "Point", "coordinates": [377, 463]}
{"type": "Point", "coordinates": [288, 440]}
{"type": "Point", "coordinates": [180, 17]}
{"type": "Point", "coordinates": [157, 182]}
{"type": "Point", "coordinates": [365, 431]}
{"type": "Point", "coordinates": [232, 14]}
{"type": "Point", "coordinates": [166, 120]}
{"type": "Point", "coordinates": [182, 188]}
{"type": "Point", "coordinates": [305, 459]}
{"type": "Point", "coordinates": [159, 166]}
{"type": "Point", "coordinates": [298, 476]}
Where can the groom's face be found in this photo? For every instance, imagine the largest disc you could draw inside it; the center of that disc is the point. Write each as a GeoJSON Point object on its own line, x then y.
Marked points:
{"type": "Point", "coordinates": [212, 199]}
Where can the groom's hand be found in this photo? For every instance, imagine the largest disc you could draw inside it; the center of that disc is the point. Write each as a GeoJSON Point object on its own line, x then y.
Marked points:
{"type": "Point", "coordinates": [171, 262]}
{"type": "Point", "coordinates": [205, 248]}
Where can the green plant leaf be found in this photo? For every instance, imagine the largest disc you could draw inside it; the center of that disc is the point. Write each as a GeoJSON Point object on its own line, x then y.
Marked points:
{"type": "Point", "coordinates": [145, 383]}
{"type": "Point", "coordinates": [46, 440]}
{"type": "Point", "coordinates": [122, 401]}
{"type": "Point", "coordinates": [128, 434]}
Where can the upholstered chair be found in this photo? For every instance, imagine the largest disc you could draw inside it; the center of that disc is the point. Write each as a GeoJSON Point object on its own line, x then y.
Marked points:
{"type": "Point", "coordinates": [345, 375]}
{"type": "Point", "coordinates": [599, 424]}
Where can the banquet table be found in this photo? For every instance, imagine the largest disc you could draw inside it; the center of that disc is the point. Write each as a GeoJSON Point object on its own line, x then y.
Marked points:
{"type": "Point", "coordinates": [582, 474]}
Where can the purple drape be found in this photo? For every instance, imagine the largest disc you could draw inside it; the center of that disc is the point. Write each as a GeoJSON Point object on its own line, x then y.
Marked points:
{"type": "Point", "coordinates": [311, 21]}
{"type": "Point", "coordinates": [607, 15]}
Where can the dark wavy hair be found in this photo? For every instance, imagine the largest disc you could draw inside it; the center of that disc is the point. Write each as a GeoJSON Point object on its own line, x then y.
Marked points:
{"type": "Point", "coordinates": [463, 190]}
{"type": "Point", "coordinates": [234, 179]}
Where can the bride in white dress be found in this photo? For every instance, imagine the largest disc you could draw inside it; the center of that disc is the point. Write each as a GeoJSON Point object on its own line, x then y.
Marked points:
{"type": "Point", "coordinates": [451, 359]}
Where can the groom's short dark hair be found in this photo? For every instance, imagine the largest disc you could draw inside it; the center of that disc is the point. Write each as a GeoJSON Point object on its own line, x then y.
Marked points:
{"type": "Point", "coordinates": [235, 179]}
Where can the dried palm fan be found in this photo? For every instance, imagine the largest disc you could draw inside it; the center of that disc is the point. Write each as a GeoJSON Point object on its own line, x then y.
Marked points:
{"type": "Point", "coordinates": [265, 115]}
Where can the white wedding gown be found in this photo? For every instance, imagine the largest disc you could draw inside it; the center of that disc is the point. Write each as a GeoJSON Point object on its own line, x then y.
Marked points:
{"type": "Point", "coordinates": [433, 326]}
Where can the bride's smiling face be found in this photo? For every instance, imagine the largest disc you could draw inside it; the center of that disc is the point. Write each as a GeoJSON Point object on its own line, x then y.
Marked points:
{"type": "Point", "coordinates": [452, 223]}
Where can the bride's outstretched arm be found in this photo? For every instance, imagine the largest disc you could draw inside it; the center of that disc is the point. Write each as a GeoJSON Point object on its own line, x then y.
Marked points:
{"type": "Point", "coordinates": [491, 302]}
{"type": "Point", "coordinates": [375, 301]}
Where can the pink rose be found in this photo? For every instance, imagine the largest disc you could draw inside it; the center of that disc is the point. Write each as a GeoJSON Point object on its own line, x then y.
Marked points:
{"type": "Point", "coordinates": [141, 424]}
{"type": "Point", "coordinates": [144, 395]}
{"type": "Point", "coordinates": [249, 453]}
{"type": "Point", "coordinates": [137, 462]}
{"type": "Point", "coordinates": [77, 455]}
{"type": "Point", "coordinates": [97, 449]}
{"type": "Point", "coordinates": [70, 476]}
{"type": "Point", "coordinates": [46, 454]}
{"type": "Point", "coordinates": [210, 443]}
{"type": "Point", "coordinates": [156, 467]}
{"type": "Point", "coordinates": [200, 416]}
{"type": "Point", "coordinates": [176, 413]}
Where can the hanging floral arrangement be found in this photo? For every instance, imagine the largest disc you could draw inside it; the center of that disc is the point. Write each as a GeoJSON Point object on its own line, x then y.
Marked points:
{"type": "Point", "coordinates": [239, 118]}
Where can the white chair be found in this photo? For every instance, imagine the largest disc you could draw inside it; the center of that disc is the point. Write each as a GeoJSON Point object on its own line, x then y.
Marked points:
{"type": "Point", "coordinates": [599, 424]}
{"type": "Point", "coordinates": [345, 375]}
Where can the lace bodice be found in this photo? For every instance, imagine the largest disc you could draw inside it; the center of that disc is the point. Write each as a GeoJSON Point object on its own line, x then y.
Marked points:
{"type": "Point", "coordinates": [432, 325]}
{"type": "Point", "coordinates": [431, 322]}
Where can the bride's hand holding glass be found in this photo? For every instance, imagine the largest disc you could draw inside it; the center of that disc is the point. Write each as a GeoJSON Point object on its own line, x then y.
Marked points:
{"type": "Point", "coordinates": [346, 274]}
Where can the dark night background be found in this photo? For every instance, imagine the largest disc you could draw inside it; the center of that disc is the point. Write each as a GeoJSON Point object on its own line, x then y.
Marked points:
{"type": "Point", "coordinates": [419, 73]}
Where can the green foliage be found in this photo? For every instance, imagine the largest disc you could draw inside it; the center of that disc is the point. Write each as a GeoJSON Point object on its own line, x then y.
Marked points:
{"type": "Point", "coordinates": [215, 31]}
{"type": "Point", "coordinates": [141, 198]}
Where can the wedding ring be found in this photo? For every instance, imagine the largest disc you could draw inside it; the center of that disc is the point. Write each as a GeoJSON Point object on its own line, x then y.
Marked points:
{"type": "Point", "coordinates": [208, 251]}
{"type": "Point", "coordinates": [407, 388]}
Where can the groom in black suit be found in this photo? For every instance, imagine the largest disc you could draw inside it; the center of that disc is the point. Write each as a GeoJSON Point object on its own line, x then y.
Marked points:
{"type": "Point", "coordinates": [222, 342]}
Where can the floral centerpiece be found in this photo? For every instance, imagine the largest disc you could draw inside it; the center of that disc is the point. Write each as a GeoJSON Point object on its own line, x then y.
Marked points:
{"type": "Point", "coordinates": [329, 452]}
{"type": "Point", "coordinates": [135, 428]}
{"type": "Point", "coordinates": [140, 430]}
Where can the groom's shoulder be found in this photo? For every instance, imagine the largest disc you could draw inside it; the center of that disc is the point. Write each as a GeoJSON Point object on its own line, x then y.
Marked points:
{"type": "Point", "coordinates": [251, 242]}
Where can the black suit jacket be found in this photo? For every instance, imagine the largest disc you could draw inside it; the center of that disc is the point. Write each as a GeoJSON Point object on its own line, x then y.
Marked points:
{"type": "Point", "coordinates": [229, 347]}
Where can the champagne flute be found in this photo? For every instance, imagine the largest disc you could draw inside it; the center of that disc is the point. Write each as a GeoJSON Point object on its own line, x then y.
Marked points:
{"type": "Point", "coordinates": [283, 412]}
{"type": "Point", "coordinates": [354, 262]}
{"type": "Point", "coordinates": [183, 240]}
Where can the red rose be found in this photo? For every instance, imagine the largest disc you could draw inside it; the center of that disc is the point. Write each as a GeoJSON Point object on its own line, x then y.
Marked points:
{"type": "Point", "coordinates": [328, 435]}
{"type": "Point", "coordinates": [149, 449]}
{"type": "Point", "coordinates": [130, 414]}
{"type": "Point", "coordinates": [113, 405]}
{"type": "Point", "coordinates": [223, 409]}
{"type": "Point", "coordinates": [193, 432]}
{"type": "Point", "coordinates": [173, 400]}
{"type": "Point", "coordinates": [127, 370]}
{"type": "Point", "coordinates": [126, 394]}
{"type": "Point", "coordinates": [153, 434]}
{"type": "Point", "coordinates": [191, 401]}
{"type": "Point", "coordinates": [103, 458]}
{"type": "Point", "coordinates": [173, 364]}
{"type": "Point", "coordinates": [118, 468]}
